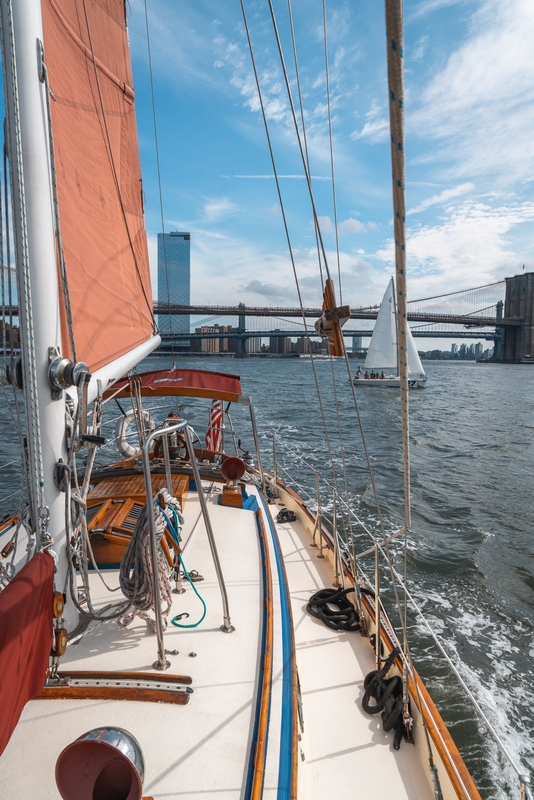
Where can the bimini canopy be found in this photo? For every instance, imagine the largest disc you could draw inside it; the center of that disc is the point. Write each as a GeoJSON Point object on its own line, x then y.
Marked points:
{"type": "Point", "coordinates": [186, 383]}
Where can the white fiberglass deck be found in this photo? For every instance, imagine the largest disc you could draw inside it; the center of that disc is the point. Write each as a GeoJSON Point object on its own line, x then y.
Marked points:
{"type": "Point", "coordinates": [346, 753]}
{"type": "Point", "coordinates": [199, 749]}
{"type": "Point", "coordinates": [203, 749]}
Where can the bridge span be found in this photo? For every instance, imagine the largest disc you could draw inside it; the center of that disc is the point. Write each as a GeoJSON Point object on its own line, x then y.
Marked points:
{"type": "Point", "coordinates": [242, 310]}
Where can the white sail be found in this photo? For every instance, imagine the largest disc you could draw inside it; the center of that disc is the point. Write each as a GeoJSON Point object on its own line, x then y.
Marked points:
{"type": "Point", "coordinates": [414, 362]}
{"type": "Point", "coordinates": [382, 353]}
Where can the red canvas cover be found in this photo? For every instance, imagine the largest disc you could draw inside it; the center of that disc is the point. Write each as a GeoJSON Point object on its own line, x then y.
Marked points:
{"type": "Point", "coordinates": [25, 639]}
{"type": "Point", "coordinates": [184, 382]}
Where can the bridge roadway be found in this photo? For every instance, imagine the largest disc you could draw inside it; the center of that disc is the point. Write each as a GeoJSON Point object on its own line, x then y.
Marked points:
{"type": "Point", "coordinates": [315, 313]}
{"type": "Point", "coordinates": [278, 334]}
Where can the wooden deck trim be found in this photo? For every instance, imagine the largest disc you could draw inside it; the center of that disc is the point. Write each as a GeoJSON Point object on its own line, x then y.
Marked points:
{"type": "Point", "coordinates": [120, 692]}
{"type": "Point", "coordinates": [61, 692]}
{"type": "Point", "coordinates": [447, 749]}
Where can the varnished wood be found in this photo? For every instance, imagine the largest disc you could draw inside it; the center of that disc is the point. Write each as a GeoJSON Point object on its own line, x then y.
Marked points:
{"type": "Point", "coordinates": [132, 487]}
{"type": "Point", "coordinates": [449, 753]}
{"type": "Point", "coordinates": [447, 749]}
{"type": "Point", "coordinates": [113, 693]}
{"type": "Point", "coordinates": [232, 496]}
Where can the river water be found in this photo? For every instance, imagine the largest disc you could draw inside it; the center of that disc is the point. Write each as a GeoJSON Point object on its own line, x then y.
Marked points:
{"type": "Point", "coordinates": [471, 546]}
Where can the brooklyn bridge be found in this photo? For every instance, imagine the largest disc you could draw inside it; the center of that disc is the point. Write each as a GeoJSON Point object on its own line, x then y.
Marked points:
{"type": "Point", "coordinates": [502, 312]}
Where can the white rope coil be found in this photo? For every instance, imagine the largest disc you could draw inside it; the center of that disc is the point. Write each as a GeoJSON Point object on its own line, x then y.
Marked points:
{"type": "Point", "coordinates": [136, 574]}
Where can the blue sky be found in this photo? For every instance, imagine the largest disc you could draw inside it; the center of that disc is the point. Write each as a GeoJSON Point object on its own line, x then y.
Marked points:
{"type": "Point", "coordinates": [470, 148]}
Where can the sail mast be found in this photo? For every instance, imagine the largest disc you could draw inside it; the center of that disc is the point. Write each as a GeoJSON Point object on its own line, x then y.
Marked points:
{"type": "Point", "coordinates": [39, 309]}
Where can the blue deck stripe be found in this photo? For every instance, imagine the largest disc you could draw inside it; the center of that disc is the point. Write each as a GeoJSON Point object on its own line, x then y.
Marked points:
{"type": "Point", "coordinates": [250, 771]}
{"type": "Point", "coordinates": [285, 767]}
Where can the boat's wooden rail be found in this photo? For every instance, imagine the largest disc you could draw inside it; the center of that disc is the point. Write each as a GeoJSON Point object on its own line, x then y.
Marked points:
{"type": "Point", "coordinates": [445, 751]}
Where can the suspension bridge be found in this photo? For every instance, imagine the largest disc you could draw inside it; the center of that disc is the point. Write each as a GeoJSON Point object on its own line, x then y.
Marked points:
{"type": "Point", "coordinates": [477, 313]}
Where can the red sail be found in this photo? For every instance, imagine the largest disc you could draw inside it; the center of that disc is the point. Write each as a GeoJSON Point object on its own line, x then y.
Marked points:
{"type": "Point", "coordinates": [98, 177]}
{"type": "Point", "coordinates": [25, 639]}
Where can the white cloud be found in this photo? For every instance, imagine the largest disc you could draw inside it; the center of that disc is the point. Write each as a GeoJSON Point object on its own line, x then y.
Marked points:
{"type": "Point", "coordinates": [326, 225]}
{"type": "Point", "coordinates": [376, 129]}
{"type": "Point", "coordinates": [480, 107]}
{"type": "Point", "coordinates": [432, 5]}
{"type": "Point", "coordinates": [217, 208]}
{"type": "Point", "coordinates": [346, 226]}
{"type": "Point", "coordinates": [471, 246]}
{"type": "Point", "coordinates": [442, 197]}
{"type": "Point", "coordinates": [419, 49]}
{"type": "Point", "coordinates": [352, 226]}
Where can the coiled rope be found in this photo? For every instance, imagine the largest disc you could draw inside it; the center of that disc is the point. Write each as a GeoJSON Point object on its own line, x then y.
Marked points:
{"type": "Point", "coordinates": [136, 574]}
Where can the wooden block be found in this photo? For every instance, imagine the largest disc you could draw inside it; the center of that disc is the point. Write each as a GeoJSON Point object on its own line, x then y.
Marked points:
{"type": "Point", "coordinates": [231, 496]}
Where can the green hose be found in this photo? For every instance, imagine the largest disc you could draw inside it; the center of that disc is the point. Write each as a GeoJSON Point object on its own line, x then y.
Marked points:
{"type": "Point", "coordinates": [190, 624]}
{"type": "Point", "coordinates": [176, 536]}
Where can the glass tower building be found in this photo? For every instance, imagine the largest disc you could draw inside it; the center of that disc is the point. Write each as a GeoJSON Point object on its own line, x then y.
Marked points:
{"type": "Point", "coordinates": [174, 279]}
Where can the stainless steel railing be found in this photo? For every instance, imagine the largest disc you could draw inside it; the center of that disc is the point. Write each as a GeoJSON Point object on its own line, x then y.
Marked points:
{"type": "Point", "coordinates": [524, 780]}
{"type": "Point", "coordinates": [164, 433]}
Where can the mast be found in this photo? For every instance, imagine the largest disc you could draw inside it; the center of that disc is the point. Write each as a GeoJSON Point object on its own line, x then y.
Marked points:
{"type": "Point", "coordinates": [28, 147]}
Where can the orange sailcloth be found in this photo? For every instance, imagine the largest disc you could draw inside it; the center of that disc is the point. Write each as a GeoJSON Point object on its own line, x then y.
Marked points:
{"type": "Point", "coordinates": [98, 178]}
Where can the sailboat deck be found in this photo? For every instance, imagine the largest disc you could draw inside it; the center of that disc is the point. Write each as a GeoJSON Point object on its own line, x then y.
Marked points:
{"type": "Point", "coordinates": [201, 747]}
{"type": "Point", "coordinates": [342, 746]}
{"type": "Point", "coordinates": [204, 747]}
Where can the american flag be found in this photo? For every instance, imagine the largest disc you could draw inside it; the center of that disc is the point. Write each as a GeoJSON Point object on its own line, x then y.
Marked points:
{"type": "Point", "coordinates": [213, 436]}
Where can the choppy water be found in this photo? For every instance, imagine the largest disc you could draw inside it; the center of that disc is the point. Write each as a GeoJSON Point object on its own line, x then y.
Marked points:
{"type": "Point", "coordinates": [471, 548]}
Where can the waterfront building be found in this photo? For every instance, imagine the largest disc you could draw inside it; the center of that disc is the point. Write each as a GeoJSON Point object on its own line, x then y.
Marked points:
{"type": "Point", "coordinates": [356, 344]}
{"type": "Point", "coordinates": [303, 345]}
{"type": "Point", "coordinates": [253, 345]}
{"type": "Point", "coordinates": [174, 279]}
{"type": "Point", "coordinates": [279, 344]}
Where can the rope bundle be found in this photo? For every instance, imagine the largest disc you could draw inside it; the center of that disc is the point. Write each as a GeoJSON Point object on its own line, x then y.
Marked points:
{"type": "Point", "coordinates": [136, 574]}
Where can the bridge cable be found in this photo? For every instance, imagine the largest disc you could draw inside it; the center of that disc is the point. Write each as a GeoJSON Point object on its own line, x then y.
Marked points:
{"type": "Point", "coordinates": [156, 147]}
{"type": "Point", "coordinates": [462, 292]}
{"type": "Point", "coordinates": [288, 238]}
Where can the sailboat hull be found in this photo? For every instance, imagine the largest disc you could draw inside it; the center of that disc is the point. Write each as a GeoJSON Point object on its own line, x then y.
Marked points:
{"type": "Point", "coordinates": [418, 382]}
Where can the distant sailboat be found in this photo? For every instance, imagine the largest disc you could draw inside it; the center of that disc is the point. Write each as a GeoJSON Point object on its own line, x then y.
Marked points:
{"type": "Point", "coordinates": [382, 353]}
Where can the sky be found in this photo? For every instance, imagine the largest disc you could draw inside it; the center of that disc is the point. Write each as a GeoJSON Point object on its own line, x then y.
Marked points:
{"type": "Point", "coordinates": [469, 145]}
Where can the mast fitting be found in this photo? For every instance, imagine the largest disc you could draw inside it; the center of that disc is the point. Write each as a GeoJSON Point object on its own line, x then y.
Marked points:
{"type": "Point", "coordinates": [64, 373]}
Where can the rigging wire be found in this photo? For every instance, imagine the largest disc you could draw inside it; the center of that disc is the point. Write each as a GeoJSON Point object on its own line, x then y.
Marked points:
{"type": "Point", "coordinates": [57, 225]}
{"type": "Point", "coordinates": [288, 238]}
{"type": "Point", "coordinates": [299, 139]}
{"type": "Point", "coordinates": [306, 150]}
{"type": "Point", "coordinates": [312, 200]}
{"type": "Point", "coordinates": [156, 147]}
{"type": "Point", "coordinates": [334, 200]}
{"type": "Point", "coordinates": [17, 417]}
{"type": "Point", "coordinates": [304, 135]}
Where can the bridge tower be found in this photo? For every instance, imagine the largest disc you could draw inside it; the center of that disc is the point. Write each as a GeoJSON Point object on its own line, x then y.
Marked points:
{"type": "Point", "coordinates": [518, 343]}
{"type": "Point", "coordinates": [242, 341]}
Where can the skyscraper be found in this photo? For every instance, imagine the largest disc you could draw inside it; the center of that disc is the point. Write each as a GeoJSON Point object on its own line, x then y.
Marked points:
{"type": "Point", "coordinates": [174, 279]}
